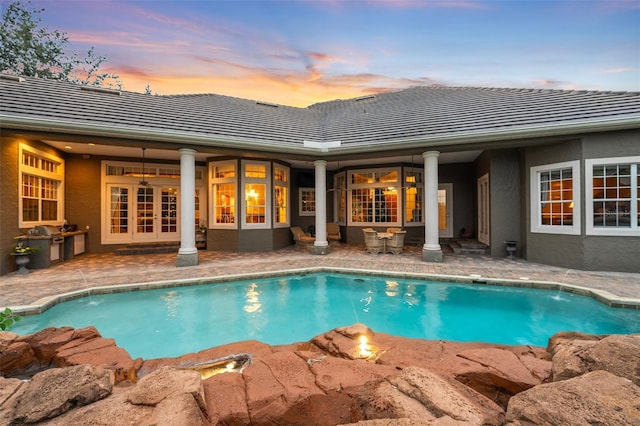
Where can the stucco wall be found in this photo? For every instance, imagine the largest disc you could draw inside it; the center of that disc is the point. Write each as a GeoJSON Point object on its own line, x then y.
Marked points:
{"type": "Point", "coordinates": [583, 251]}
{"type": "Point", "coordinates": [464, 198]}
{"type": "Point", "coordinates": [553, 249]}
{"type": "Point", "coordinates": [504, 186]}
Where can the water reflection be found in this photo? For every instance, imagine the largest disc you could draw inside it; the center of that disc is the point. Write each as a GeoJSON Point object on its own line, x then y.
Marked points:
{"type": "Point", "coordinates": [172, 302]}
{"type": "Point", "coordinates": [253, 299]}
{"type": "Point", "coordinates": [391, 288]}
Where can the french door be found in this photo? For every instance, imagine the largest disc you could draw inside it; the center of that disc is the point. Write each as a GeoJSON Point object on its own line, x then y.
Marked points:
{"type": "Point", "coordinates": [142, 213]}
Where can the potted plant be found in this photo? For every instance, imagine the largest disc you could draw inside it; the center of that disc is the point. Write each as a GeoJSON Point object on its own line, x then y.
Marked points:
{"type": "Point", "coordinates": [21, 254]}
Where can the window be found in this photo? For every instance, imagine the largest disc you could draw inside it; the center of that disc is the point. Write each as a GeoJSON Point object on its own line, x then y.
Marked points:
{"type": "Point", "coordinates": [256, 185]}
{"type": "Point", "coordinates": [613, 196]}
{"type": "Point", "coordinates": [307, 198]}
{"type": "Point", "coordinates": [41, 188]}
{"type": "Point", "coordinates": [554, 203]}
{"type": "Point", "coordinates": [281, 195]}
{"type": "Point", "coordinates": [374, 196]}
{"type": "Point", "coordinates": [413, 192]}
{"type": "Point", "coordinates": [224, 183]}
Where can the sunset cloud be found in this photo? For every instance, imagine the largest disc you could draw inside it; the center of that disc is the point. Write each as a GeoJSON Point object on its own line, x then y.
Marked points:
{"type": "Point", "coordinates": [303, 52]}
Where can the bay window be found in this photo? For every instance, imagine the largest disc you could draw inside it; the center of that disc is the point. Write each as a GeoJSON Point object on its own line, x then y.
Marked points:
{"type": "Point", "coordinates": [374, 197]}
{"type": "Point", "coordinates": [281, 196]}
{"type": "Point", "coordinates": [224, 183]}
{"type": "Point", "coordinates": [255, 181]}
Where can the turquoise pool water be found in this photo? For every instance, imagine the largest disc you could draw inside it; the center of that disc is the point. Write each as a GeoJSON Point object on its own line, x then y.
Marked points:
{"type": "Point", "coordinates": [175, 321]}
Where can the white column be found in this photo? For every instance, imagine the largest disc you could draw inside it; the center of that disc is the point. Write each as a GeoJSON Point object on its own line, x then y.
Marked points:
{"type": "Point", "coordinates": [431, 251]}
{"type": "Point", "coordinates": [188, 253]}
{"type": "Point", "coordinates": [321, 244]}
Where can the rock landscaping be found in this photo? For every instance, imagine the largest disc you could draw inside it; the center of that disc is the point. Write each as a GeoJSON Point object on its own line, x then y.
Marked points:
{"type": "Point", "coordinates": [62, 376]}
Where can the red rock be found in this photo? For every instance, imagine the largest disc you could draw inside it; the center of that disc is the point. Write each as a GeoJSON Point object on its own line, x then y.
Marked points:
{"type": "Point", "coordinates": [16, 356]}
{"type": "Point", "coordinates": [226, 399]}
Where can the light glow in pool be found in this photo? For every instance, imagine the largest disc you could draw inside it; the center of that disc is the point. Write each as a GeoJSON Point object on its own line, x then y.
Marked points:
{"type": "Point", "coordinates": [174, 321]}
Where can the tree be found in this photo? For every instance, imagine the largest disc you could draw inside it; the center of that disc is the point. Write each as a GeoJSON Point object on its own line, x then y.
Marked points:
{"type": "Point", "coordinates": [27, 48]}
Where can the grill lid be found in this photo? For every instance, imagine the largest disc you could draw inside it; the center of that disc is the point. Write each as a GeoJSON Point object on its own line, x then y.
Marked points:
{"type": "Point", "coordinates": [44, 230]}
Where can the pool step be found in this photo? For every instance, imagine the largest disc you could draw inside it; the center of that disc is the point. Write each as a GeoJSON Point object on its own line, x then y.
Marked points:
{"type": "Point", "coordinates": [469, 247]}
{"type": "Point", "coordinates": [148, 248]}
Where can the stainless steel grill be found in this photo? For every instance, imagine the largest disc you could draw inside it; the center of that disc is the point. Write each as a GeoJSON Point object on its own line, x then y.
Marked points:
{"type": "Point", "coordinates": [47, 231]}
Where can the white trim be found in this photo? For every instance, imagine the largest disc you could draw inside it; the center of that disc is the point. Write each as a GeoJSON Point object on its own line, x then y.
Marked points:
{"type": "Point", "coordinates": [39, 173]}
{"type": "Point", "coordinates": [484, 209]}
{"type": "Point", "coordinates": [287, 185]}
{"type": "Point", "coordinates": [534, 182]}
{"type": "Point", "coordinates": [302, 212]}
{"type": "Point", "coordinates": [268, 194]}
{"type": "Point", "coordinates": [212, 224]}
{"type": "Point", "coordinates": [375, 185]}
{"type": "Point", "coordinates": [634, 229]}
{"type": "Point", "coordinates": [448, 231]}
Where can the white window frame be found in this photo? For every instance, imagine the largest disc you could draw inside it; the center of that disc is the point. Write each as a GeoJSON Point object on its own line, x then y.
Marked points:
{"type": "Point", "coordinates": [301, 198]}
{"type": "Point", "coordinates": [282, 183]}
{"type": "Point", "coordinates": [634, 229]}
{"type": "Point", "coordinates": [534, 178]}
{"type": "Point", "coordinates": [214, 181]}
{"type": "Point", "coordinates": [39, 173]}
{"type": "Point", "coordinates": [268, 194]}
{"type": "Point", "coordinates": [419, 186]}
{"type": "Point", "coordinates": [398, 185]}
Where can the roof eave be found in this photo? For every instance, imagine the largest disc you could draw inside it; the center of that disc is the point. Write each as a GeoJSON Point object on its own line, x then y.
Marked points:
{"type": "Point", "coordinates": [497, 135]}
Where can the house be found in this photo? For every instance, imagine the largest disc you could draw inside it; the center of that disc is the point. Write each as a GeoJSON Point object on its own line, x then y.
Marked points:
{"type": "Point", "coordinates": [557, 171]}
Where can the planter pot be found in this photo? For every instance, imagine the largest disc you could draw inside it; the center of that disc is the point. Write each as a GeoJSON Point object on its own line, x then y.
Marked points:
{"type": "Point", "coordinates": [21, 260]}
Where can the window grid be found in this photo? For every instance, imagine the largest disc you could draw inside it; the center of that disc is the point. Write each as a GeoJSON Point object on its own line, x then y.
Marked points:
{"type": "Point", "coordinates": [119, 210]}
{"type": "Point", "coordinates": [413, 196]}
{"type": "Point", "coordinates": [556, 197]}
{"type": "Point", "coordinates": [613, 196]}
{"type": "Point", "coordinates": [555, 206]}
{"type": "Point", "coordinates": [307, 201]}
{"type": "Point", "coordinates": [224, 200]}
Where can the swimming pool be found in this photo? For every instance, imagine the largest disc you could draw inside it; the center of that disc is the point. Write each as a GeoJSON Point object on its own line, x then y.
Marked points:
{"type": "Point", "coordinates": [174, 321]}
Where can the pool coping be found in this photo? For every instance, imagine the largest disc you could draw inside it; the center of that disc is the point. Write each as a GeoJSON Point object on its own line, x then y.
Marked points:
{"type": "Point", "coordinates": [602, 296]}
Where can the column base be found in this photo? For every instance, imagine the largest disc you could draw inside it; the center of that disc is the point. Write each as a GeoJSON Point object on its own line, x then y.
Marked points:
{"type": "Point", "coordinates": [320, 249]}
{"type": "Point", "coordinates": [189, 259]}
{"type": "Point", "coordinates": [434, 256]}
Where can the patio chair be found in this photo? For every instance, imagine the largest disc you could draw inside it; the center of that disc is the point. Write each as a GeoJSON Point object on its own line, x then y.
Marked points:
{"type": "Point", "coordinates": [300, 237]}
{"type": "Point", "coordinates": [395, 245]}
{"type": "Point", "coordinates": [373, 244]}
{"type": "Point", "coordinates": [333, 232]}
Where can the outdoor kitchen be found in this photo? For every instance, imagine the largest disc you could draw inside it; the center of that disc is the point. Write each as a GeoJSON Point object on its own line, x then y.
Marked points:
{"type": "Point", "coordinates": [52, 244]}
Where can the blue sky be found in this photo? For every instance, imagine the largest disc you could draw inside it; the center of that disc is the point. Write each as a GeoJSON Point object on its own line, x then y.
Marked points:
{"type": "Point", "coordinates": [302, 52]}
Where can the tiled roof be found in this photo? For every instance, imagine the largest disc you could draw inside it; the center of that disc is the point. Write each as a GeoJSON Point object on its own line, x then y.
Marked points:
{"type": "Point", "coordinates": [388, 119]}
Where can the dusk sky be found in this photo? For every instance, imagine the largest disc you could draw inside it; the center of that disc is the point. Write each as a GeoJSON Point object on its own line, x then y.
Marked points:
{"type": "Point", "coordinates": [301, 52]}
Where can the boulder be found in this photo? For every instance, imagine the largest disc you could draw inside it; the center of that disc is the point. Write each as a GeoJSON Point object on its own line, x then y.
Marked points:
{"type": "Point", "coordinates": [166, 382]}
{"type": "Point", "coordinates": [276, 384]}
{"type": "Point", "coordinates": [420, 394]}
{"type": "Point", "coordinates": [55, 391]}
{"type": "Point", "coordinates": [96, 350]}
{"type": "Point", "coordinates": [498, 373]}
{"type": "Point", "coordinates": [617, 353]}
{"type": "Point", "coordinates": [45, 342]}
{"type": "Point", "coordinates": [226, 399]}
{"type": "Point", "coordinates": [16, 357]}
{"type": "Point", "coordinates": [598, 398]}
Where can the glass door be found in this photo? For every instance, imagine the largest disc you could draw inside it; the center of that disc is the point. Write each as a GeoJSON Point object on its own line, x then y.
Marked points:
{"type": "Point", "coordinates": [156, 214]}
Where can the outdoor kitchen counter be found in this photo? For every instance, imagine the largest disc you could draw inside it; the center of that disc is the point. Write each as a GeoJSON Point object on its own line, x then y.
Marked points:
{"type": "Point", "coordinates": [53, 247]}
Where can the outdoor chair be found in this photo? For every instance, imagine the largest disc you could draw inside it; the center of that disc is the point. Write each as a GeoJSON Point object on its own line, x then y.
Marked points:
{"type": "Point", "coordinates": [300, 237]}
{"type": "Point", "coordinates": [333, 232]}
{"type": "Point", "coordinates": [396, 243]}
{"type": "Point", "coordinates": [373, 244]}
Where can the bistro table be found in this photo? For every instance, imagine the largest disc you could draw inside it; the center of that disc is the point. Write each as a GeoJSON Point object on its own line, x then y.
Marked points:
{"type": "Point", "coordinates": [384, 236]}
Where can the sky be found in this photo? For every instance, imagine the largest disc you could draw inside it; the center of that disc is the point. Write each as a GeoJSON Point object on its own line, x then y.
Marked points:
{"type": "Point", "coordinates": [301, 52]}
